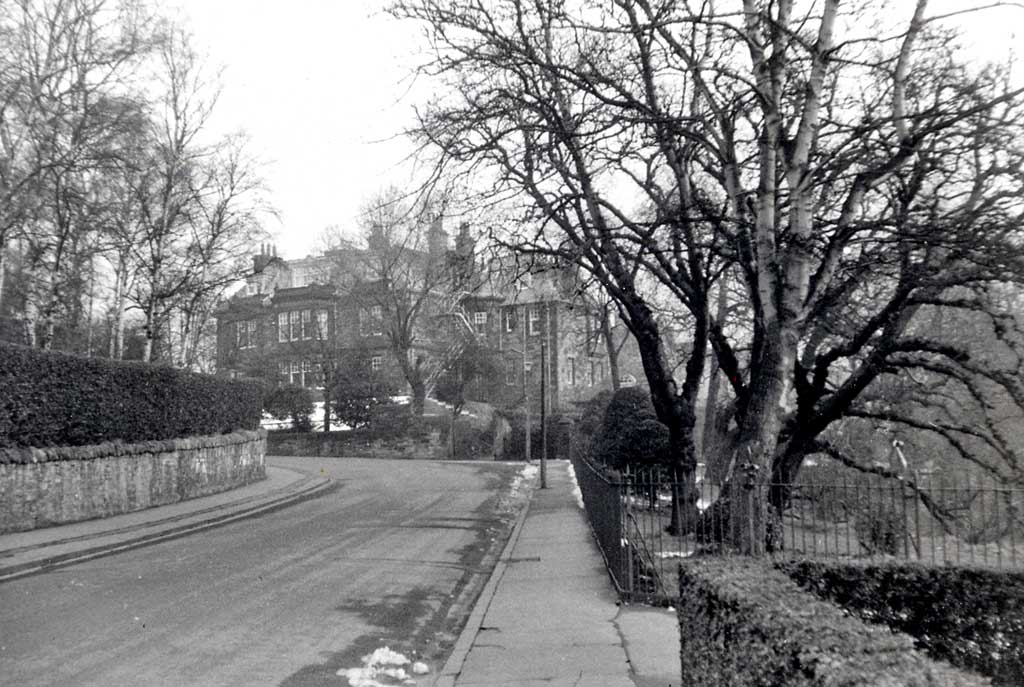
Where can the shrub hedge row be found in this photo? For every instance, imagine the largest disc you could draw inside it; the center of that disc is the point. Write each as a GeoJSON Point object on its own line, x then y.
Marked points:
{"type": "Point", "coordinates": [971, 617]}
{"type": "Point", "coordinates": [55, 399]}
{"type": "Point", "coordinates": [744, 623]}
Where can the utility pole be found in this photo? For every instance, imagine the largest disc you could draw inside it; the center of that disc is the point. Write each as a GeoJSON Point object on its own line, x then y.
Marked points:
{"type": "Point", "coordinates": [526, 394]}
{"type": "Point", "coordinates": [544, 401]}
{"type": "Point", "coordinates": [543, 415]}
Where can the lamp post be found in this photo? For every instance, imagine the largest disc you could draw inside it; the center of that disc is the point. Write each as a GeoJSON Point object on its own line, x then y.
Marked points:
{"type": "Point", "coordinates": [543, 413]}
{"type": "Point", "coordinates": [526, 393]}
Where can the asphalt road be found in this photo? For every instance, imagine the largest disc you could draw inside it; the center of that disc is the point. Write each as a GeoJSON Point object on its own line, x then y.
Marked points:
{"type": "Point", "coordinates": [394, 557]}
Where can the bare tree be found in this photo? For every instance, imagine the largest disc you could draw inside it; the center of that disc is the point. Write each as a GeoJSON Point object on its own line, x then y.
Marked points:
{"type": "Point", "coordinates": [403, 282]}
{"type": "Point", "coordinates": [846, 167]}
{"type": "Point", "coordinates": [64, 73]}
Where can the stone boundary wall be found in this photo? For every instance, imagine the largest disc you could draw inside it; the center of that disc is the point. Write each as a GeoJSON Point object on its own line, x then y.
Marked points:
{"type": "Point", "coordinates": [354, 445]}
{"type": "Point", "coordinates": [40, 487]}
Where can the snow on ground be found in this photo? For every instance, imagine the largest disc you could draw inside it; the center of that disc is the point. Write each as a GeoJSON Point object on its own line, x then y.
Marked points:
{"type": "Point", "coordinates": [575, 487]}
{"type": "Point", "coordinates": [383, 668]}
{"type": "Point", "coordinates": [528, 472]}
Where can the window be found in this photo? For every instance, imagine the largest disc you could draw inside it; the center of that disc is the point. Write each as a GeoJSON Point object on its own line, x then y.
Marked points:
{"type": "Point", "coordinates": [294, 325]}
{"type": "Point", "coordinates": [599, 372]}
{"type": "Point", "coordinates": [307, 324]}
{"type": "Point", "coordinates": [245, 334]}
{"type": "Point", "coordinates": [510, 371]}
{"type": "Point", "coordinates": [534, 321]}
{"type": "Point", "coordinates": [480, 321]}
{"type": "Point", "coordinates": [510, 319]}
{"type": "Point", "coordinates": [375, 363]}
{"type": "Point", "coordinates": [570, 371]}
{"type": "Point", "coordinates": [592, 376]}
{"type": "Point", "coordinates": [307, 373]}
{"type": "Point", "coordinates": [282, 370]}
{"type": "Point", "coordinates": [371, 321]}
{"type": "Point", "coordinates": [282, 326]}
{"type": "Point", "coordinates": [377, 319]}
{"type": "Point", "coordinates": [321, 324]}
{"type": "Point", "coordinates": [296, 373]}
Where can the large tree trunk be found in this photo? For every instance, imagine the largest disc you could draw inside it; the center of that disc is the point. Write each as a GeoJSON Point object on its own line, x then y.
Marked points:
{"type": "Point", "coordinates": [419, 396]}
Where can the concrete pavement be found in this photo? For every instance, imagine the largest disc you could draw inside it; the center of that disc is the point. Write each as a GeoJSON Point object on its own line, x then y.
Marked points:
{"type": "Point", "coordinates": [25, 553]}
{"type": "Point", "coordinates": [549, 614]}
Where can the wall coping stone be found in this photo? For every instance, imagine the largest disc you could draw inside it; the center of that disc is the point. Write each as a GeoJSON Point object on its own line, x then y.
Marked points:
{"type": "Point", "coordinates": [27, 455]}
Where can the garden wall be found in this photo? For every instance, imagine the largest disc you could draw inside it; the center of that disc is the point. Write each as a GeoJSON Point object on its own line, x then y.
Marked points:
{"type": "Point", "coordinates": [49, 486]}
{"type": "Point", "coordinates": [743, 623]}
{"type": "Point", "coordinates": [355, 444]}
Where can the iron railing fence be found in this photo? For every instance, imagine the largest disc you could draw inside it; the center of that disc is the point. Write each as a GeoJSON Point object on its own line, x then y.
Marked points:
{"type": "Point", "coordinates": [934, 518]}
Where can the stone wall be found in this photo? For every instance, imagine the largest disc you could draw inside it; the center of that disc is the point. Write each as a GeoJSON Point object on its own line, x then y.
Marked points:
{"type": "Point", "coordinates": [355, 445]}
{"type": "Point", "coordinates": [51, 486]}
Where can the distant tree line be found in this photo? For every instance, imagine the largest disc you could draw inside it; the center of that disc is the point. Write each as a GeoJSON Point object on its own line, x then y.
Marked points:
{"type": "Point", "coordinates": [119, 209]}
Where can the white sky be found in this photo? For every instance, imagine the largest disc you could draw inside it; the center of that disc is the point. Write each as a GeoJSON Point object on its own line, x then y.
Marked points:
{"type": "Point", "coordinates": [322, 88]}
{"type": "Point", "coordinates": [318, 85]}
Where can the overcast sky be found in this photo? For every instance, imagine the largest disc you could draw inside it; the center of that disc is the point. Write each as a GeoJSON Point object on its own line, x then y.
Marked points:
{"type": "Point", "coordinates": [322, 88]}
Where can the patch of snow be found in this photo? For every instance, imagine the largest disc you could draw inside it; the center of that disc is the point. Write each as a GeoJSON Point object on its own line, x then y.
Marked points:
{"type": "Point", "coordinates": [675, 554]}
{"type": "Point", "coordinates": [420, 668]}
{"type": "Point", "coordinates": [575, 487]}
{"type": "Point", "coordinates": [448, 406]}
{"type": "Point", "coordinates": [382, 663]}
{"type": "Point", "coordinates": [528, 472]}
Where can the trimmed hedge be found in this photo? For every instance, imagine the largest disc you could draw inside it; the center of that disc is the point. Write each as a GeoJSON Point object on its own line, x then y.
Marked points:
{"type": "Point", "coordinates": [744, 623]}
{"type": "Point", "coordinates": [971, 617]}
{"type": "Point", "coordinates": [55, 399]}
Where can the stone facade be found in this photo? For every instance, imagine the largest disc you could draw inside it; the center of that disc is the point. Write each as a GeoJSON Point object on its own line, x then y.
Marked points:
{"type": "Point", "coordinates": [293, 315]}
{"type": "Point", "coordinates": [40, 487]}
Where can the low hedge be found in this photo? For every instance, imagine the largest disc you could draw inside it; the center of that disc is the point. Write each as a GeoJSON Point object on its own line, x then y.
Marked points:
{"type": "Point", "coordinates": [55, 399]}
{"type": "Point", "coordinates": [743, 623]}
{"type": "Point", "coordinates": [971, 617]}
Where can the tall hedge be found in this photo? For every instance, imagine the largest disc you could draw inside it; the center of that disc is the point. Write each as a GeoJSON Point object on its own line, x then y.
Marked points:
{"type": "Point", "coordinates": [971, 617]}
{"type": "Point", "coordinates": [743, 624]}
{"type": "Point", "coordinates": [55, 399]}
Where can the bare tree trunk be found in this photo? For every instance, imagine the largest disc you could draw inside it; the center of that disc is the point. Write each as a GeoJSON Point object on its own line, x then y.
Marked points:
{"type": "Point", "coordinates": [3, 273]}
{"type": "Point", "coordinates": [149, 345]}
{"type": "Point", "coordinates": [709, 432]}
{"type": "Point", "coordinates": [610, 348]}
{"type": "Point", "coordinates": [116, 347]}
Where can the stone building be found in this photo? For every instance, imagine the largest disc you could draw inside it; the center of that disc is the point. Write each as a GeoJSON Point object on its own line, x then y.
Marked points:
{"type": "Point", "coordinates": [293, 315]}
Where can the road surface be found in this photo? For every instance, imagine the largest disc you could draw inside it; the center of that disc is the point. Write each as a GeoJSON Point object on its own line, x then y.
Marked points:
{"type": "Point", "coordinates": [394, 557]}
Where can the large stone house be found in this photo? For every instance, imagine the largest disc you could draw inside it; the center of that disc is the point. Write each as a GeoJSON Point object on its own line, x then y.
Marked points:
{"type": "Point", "coordinates": [292, 315]}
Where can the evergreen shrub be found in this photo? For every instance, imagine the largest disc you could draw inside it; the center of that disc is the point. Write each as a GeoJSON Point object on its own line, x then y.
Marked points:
{"type": "Point", "coordinates": [55, 399]}
{"type": "Point", "coordinates": [630, 433]}
{"type": "Point", "coordinates": [290, 402]}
